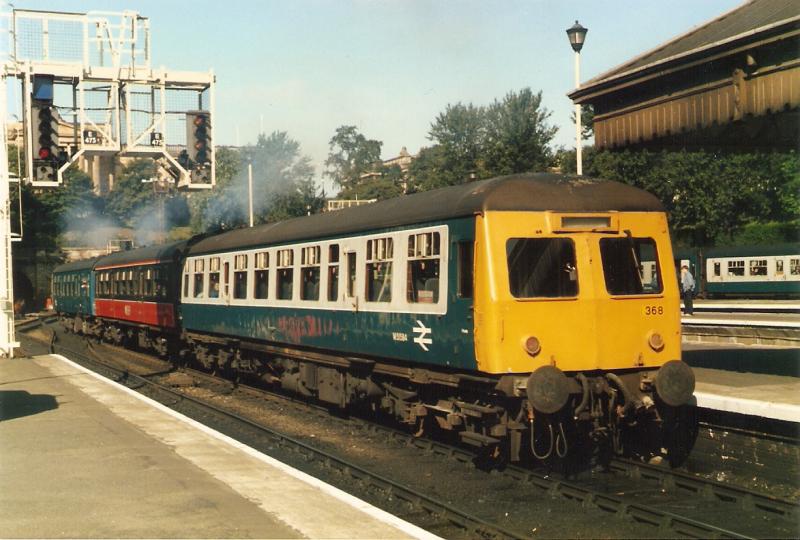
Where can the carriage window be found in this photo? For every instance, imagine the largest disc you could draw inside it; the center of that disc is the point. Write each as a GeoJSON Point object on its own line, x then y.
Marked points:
{"type": "Point", "coordinates": [794, 267]}
{"type": "Point", "coordinates": [199, 285]}
{"type": "Point", "coordinates": [185, 285]}
{"type": "Point", "coordinates": [310, 273]}
{"type": "Point", "coordinates": [758, 267]}
{"type": "Point", "coordinates": [261, 285]}
{"type": "Point", "coordinates": [285, 279]}
{"type": "Point", "coordinates": [779, 267]}
{"type": "Point", "coordinates": [541, 267]}
{"type": "Point", "coordinates": [333, 272]}
{"type": "Point", "coordinates": [213, 277]}
{"type": "Point", "coordinates": [423, 268]}
{"type": "Point", "coordinates": [240, 276]}
{"type": "Point", "coordinates": [736, 268]}
{"type": "Point", "coordinates": [379, 270]}
{"type": "Point", "coordinates": [717, 269]}
{"type": "Point", "coordinates": [630, 265]}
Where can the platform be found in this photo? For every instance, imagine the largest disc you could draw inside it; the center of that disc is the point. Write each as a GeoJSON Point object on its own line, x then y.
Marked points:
{"type": "Point", "coordinates": [754, 394]}
{"type": "Point", "coordinates": [83, 457]}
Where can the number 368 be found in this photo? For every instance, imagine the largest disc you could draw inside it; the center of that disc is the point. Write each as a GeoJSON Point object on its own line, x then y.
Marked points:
{"type": "Point", "coordinates": [654, 310]}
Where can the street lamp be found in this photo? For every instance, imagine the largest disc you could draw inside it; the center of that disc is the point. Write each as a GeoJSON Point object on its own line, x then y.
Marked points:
{"type": "Point", "coordinates": [577, 35]}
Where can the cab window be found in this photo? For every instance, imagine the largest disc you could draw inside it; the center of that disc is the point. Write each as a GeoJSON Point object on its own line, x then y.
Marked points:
{"type": "Point", "coordinates": [542, 267]}
{"type": "Point", "coordinates": [630, 266]}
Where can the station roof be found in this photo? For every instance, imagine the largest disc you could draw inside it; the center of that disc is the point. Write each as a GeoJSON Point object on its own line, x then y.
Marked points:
{"type": "Point", "coordinates": [745, 21]}
{"type": "Point", "coordinates": [522, 192]}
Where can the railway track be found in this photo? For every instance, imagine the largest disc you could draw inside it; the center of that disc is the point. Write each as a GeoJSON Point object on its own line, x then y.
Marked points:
{"type": "Point", "coordinates": [642, 494]}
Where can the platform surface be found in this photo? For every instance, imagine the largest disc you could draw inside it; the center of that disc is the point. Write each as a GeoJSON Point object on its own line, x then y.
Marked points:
{"type": "Point", "coordinates": [82, 457]}
{"type": "Point", "coordinates": [755, 394]}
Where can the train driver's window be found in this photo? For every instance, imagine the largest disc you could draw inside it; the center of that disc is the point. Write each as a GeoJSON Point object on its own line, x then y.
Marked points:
{"type": "Point", "coordinates": [541, 267]}
{"type": "Point", "coordinates": [379, 270]}
{"type": "Point", "coordinates": [213, 277]}
{"type": "Point", "coordinates": [285, 280]}
{"type": "Point", "coordinates": [630, 265]}
{"type": "Point", "coordinates": [240, 276]}
{"type": "Point", "coordinates": [333, 272]}
{"type": "Point", "coordinates": [422, 278]}
{"type": "Point", "coordinates": [199, 265]}
{"type": "Point", "coordinates": [310, 273]}
{"type": "Point", "coordinates": [261, 285]}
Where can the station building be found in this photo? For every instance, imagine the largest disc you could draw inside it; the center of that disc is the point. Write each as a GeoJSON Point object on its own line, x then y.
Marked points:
{"type": "Point", "coordinates": [732, 83]}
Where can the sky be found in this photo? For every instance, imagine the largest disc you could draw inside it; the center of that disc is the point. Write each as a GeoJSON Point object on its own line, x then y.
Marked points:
{"type": "Point", "coordinates": [389, 67]}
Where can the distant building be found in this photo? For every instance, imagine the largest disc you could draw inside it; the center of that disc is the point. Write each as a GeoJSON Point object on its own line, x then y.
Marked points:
{"type": "Point", "coordinates": [731, 83]}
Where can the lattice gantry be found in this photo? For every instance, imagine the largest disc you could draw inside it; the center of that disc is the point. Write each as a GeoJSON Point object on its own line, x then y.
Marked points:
{"type": "Point", "coordinates": [88, 89]}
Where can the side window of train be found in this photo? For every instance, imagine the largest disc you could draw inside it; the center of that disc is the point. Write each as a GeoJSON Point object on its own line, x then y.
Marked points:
{"type": "Point", "coordinates": [758, 267]}
{"type": "Point", "coordinates": [333, 272]}
{"type": "Point", "coordinates": [199, 277]}
{"type": "Point", "coordinates": [422, 277]}
{"type": "Point", "coordinates": [794, 267]}
{"type": "Point", "coordinates": [778, 267]}
{"type": "Point", "coordinates": [310, 273]}
{"type": "Point", "coordinates": [213, 277]}
{"type": "Point", "coordinates": [465, 268]}
{"type": "Point", "coordinates": [240, 276]}
{"type": "Point", "coordinates": [261, 275]}
{"type": "Point", "coordinates": [379, 270]}
{"type": "Point", "coordinates": [736, 267]}
{"type": "Point", "coordinates": [717, 269]}
{"type": "Point", "coordinates": [285, 281]}
{"type": "Point", "coordinates": [542, 267]}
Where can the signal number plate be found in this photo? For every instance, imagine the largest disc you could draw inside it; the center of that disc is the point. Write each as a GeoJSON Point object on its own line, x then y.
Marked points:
{"type": "Point", "coordinates": [654, 310]}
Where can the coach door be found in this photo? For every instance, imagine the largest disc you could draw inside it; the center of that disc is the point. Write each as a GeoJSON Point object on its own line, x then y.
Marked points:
{"type": "Point", "coordinates": [226, 281]}
{"type": "Point", "coordinates": [351, 291]}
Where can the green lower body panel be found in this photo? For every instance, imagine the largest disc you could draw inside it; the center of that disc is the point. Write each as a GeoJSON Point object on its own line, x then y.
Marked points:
{"type": "Point", "coordinates": [420, 338]}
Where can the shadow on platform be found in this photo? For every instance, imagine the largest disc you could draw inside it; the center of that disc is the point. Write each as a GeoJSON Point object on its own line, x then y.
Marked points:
{"type": "Point", "coordinates": [19, 403]}
{"type": "Point", "coordinates": [785, 362]}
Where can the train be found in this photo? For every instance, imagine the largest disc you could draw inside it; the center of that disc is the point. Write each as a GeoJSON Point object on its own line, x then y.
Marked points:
{"type": "Point", "coordinates": [771, 271]}
{"type": "Point", "coordinates": [535, 317]}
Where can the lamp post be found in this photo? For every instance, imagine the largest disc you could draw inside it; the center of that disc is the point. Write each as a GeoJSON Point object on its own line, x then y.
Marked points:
{"type": "Point", "coordinates": [577, 35]}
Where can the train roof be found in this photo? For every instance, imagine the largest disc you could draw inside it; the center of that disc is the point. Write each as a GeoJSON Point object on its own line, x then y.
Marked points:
{"type": "Point", "coordinates": [753, 251]}
{"type": "Point", "coordinates": [521, 192]}
{"type": "Point", "coordinates": [74, 266]}
{"type": "Point", "coordinates": [155, 254]}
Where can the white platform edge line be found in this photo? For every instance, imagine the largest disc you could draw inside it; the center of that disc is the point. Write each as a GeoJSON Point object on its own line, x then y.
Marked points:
{"type": "Point", "coordinates": [699, 321]}
{"type": "Point", "coordinates": [766, 409]}
{"type": "Point", "coordinates": [351, 500]}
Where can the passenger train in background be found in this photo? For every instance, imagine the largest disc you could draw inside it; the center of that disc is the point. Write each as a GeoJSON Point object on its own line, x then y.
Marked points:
{"type": "Point", "coordinates": [744, 271]}
{"type": "Point", "coordinates": [514, 314]}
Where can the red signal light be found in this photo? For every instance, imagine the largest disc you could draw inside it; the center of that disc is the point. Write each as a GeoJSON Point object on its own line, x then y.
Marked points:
{"type": "Point", "coordinates": [44, 153]}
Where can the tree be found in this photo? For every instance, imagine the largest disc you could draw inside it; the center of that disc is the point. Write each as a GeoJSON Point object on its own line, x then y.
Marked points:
{"type": "Point", "coordinates": [712, 197]}
{"type": "Point", "coordinates": [518, 135]}
{"type": "Point", "coordinates": [351, 155]}
{"type": "Point", "coordinates": [130, 194]}
{"type": "Point", "coordinates": [48, 213]}
{"type": "Point", "coordinates": [587, 121]}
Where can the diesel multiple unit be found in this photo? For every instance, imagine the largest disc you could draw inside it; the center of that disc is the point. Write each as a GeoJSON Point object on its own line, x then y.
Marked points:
{"type": "Point", "coordinates": [528, 315]}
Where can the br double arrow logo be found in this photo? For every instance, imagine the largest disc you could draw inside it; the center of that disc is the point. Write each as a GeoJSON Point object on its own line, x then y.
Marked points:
{"type": "Point", "coordinates": [422, 338]}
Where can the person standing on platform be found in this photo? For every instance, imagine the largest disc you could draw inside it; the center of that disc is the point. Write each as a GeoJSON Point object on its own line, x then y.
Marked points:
{"type": "Point", "coordinates": [687, 289]}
